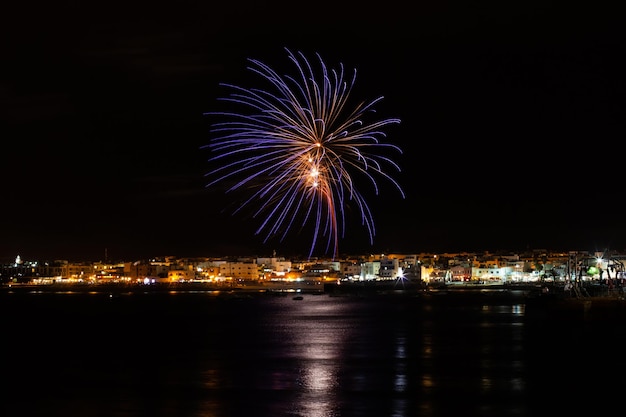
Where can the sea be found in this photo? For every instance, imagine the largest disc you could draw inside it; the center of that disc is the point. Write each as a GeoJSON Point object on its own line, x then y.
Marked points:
{"type": "Point", "coordinates": [249, 354]}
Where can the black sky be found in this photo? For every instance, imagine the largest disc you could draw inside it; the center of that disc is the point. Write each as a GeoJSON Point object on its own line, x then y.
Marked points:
{"type": "Point", "coordinates": [513, 117]}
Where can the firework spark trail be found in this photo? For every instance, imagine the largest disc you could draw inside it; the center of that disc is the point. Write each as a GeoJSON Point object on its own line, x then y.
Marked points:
{"type": "Point", "coordinates": [298, 148]}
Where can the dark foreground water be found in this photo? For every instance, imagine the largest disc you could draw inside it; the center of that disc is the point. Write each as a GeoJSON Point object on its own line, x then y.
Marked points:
{"type": "Point", "coordinates": [204, 354]}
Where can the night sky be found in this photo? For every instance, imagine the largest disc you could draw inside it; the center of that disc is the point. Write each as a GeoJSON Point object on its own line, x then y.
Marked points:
{"type": "Point", "coordinates": [513, 116]}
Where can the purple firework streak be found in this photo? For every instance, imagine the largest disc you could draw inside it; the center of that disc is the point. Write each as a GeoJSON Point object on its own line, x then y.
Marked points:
{"type": "Point", "coordinates": [297, 149]}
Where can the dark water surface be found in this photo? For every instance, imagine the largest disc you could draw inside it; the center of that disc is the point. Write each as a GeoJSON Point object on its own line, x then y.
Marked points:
{"type": "Point", "coordinates": [211, 355]}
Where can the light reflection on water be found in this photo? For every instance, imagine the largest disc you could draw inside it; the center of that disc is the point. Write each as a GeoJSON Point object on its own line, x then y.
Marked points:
{"type": "Point", "coordinates": [385, 359]}
{"type": "Point", "coordinates": [206, 355]}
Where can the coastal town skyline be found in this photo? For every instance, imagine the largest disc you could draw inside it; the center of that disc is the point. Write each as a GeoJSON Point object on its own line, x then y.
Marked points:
{"type": "Point", "coordinates": [267, 273]}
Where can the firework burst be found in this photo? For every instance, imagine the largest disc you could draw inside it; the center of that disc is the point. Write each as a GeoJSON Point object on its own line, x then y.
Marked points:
{"type": "Point", "coordinates": [299, 150]}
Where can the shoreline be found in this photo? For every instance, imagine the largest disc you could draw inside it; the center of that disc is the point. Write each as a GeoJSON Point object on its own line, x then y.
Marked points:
{"type": "Point", "coordinates": [532, 291]}
{"type": "Point", "coordinates": [549, 308]}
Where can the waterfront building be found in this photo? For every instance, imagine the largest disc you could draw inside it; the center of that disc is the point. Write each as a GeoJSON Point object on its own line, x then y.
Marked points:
{"type": "Point", "coordinates": [241, 270]}
{"type": "Point", "coordinates": [369, 270]}
{"type": "Point", "coordinates": [389, 269]}
{"type": "Point", "coordinates": [491, 273]}
{"type": "Point", "coordinates": [350, 270]}
{"type": "Point", "coordinates": [180, 275]}
{"type": "Point", "coordinates": [461, 272]}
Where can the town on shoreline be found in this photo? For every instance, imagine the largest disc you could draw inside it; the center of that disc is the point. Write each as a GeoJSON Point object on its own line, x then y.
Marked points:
{"type": "Point", "coordinates": [574, 272]}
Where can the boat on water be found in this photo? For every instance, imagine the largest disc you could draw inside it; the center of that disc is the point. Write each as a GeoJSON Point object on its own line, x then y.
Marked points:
{"type": "Point", "coordinates": [298, 297]}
